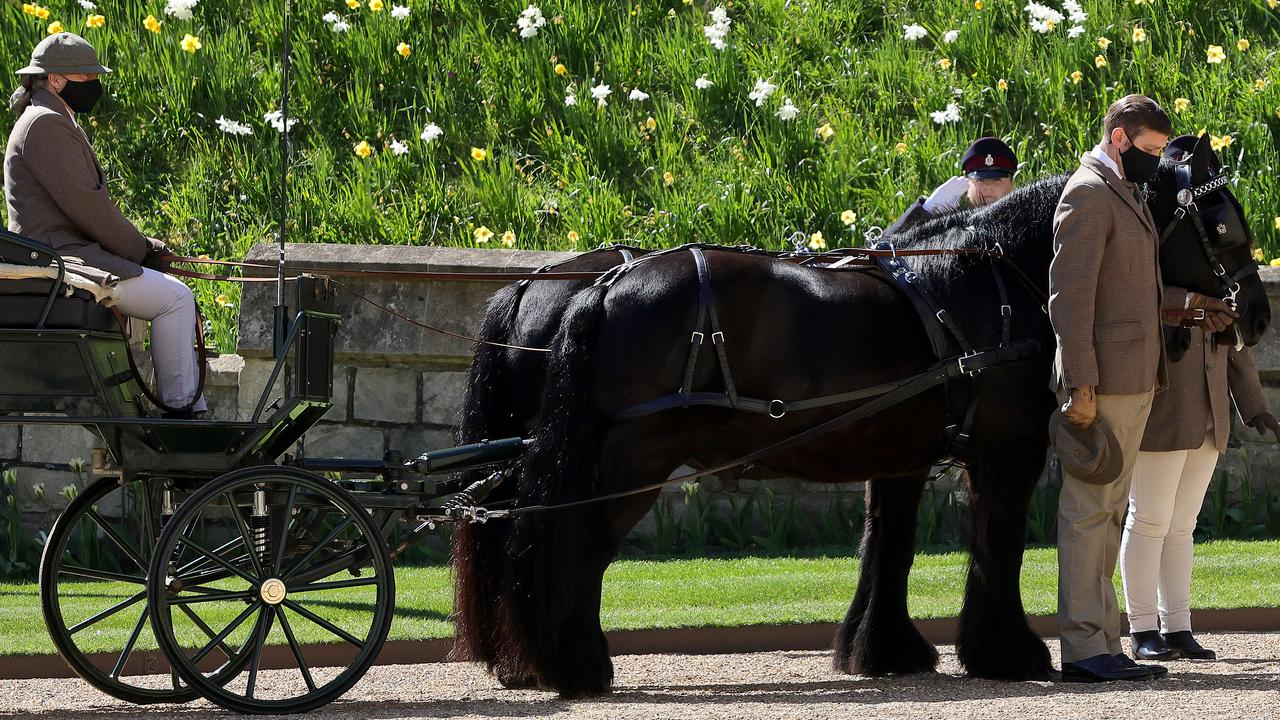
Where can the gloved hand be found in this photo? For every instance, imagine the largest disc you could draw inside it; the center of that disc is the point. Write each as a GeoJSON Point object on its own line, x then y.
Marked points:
{"type": "Point", "coordinates": [155, 250]}
{"type": "Point", "coordinates": [1217, 314]}
{"type": "Point", "coordinates": [1081, 408]}
{"type": "Point", "coordinates": [946, 197]}
{"type": "Point", "coordinates": [1263, 422]}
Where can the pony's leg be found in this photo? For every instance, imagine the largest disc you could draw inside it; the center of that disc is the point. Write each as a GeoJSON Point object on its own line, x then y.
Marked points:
{"type": "Point", "coordinates": [995, 640]}
{"type": "Point", "coordinates": [878, 637]}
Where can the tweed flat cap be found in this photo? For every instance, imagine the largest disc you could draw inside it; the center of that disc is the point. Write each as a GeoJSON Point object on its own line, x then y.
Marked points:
{"type": "Point", "coordinates": [1091, 454]}
{"type": "Point", "coordinates": [65, 54]}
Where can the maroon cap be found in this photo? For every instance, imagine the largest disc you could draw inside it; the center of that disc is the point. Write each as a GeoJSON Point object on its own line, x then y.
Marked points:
{"type": "Point", "coordinates": [989, 157]}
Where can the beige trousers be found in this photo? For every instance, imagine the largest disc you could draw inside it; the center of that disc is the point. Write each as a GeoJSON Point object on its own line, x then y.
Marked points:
{"type": "Point", "coordinates": [1090, 519]}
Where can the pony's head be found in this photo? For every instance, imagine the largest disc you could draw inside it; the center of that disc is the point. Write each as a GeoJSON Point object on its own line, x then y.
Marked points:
{"type": "Point", "coordinates": [1206, 245]}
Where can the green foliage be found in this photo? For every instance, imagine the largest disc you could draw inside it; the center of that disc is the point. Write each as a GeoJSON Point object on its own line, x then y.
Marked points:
{"type": "Point", "coordinates": [697, 517]}
{"type": "Point", "coordinates": [842, 526]}
{"type": "Point", "coordinates": [713, 166]}
{"type": "Point", "coordinates": [733, 528]}
{"type": "Point", "coordinates": [779, 521]}
{"type": "Point", "coordinates": [666, 535]}
{"type": "Point", "coordinates": [1042, 515]}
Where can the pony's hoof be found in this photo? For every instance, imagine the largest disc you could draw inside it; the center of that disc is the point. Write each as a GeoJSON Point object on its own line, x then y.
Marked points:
{"type": "Point", "coordinates": [1022, 656]}
{"type": "Point", "coordinates": [516, 681]}
{"type": "Point", "coordinates": [880, 653]}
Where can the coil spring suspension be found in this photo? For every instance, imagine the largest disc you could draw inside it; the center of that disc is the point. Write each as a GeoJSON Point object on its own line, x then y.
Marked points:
{"type": "Point", "coordinates": [457, 507]}
{"type": "Point", "coordinates": [259, 524]}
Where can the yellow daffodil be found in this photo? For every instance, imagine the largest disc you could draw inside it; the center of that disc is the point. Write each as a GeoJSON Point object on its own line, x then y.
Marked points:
{"type": "Point", "coordinates": [95, 21]}
{"type": "Point", "coordinates": [1277, 223]}
{"type": "Point", "coordinates": [1215, 55]}
{"type": "Point", "coordinates": [152, 24]}
{"type": "Point", "coordinates": [1104, 43]}
{"type": "Point", "coordinates": [404, 49]}
{"type": "Point", "coordinates": [650, 123]}
{"type": "Point", "coordinates": [353, 4]}
{"type": "Point", "coordinates": [509, 239]}
{"type": "Point", "coordinates": [848, 217]}
{"type": "Point", "coordinates": [376, 5]}
{"type": "Point", "coordinates": [190, 43]}
{"type": "Point", "coordinates": [1260, 84]}
{"type": "Point", "coordinates": [817, 242]}
{"type": "Point", "coordinates": [1258, 255]}
{"type": "Point", "coordinates": [1099, 61]}
{"type": "Point", "coordinates": [826, 132]}
{"type": "Point", "coordinates": [363, 149]}
{"type": "Point", "coordinates": [901, 148]}
{"type": "Point", "coordinates": [223, 300]}
{"type": "Point", "coordinates": [1220, 143]}
{"type": "Point", "coordinates": [42, 13]}
{"type": "Point", "coordinates": [1242, 44]}
{"type": "Point", "coordinates": [482, 234]}
{"type": "Point", "coordinates": [561, 70]}
{"type": "Point", "coordinates": [479, 154]}
{"type": "Point", "coordinates": [1201, 132]}
{"type": "Point", "coordinates": [945, 63]}
{"type": "Point", "coordinates": [28, 9]}
{"type": "Point", "coordinates": [668, 179]}
{"type": "Point", "coordinates": [978, 4]}
{"type": "Point", "coordinates": [1273, 4]}
{"type": "Point", "coordinates": [54, 28]}
{"type": "Point", "coordinates": [1139, 35]}
{"type": "Point", "coordinates": [1181, 104]}
{"type": "Point", "coordinates": [1275, 262]}
{"type": "Point", "coordinates": [573, 236]}
{"type": "Point", "coordinates": [1076, 77]}
{"type": "Point", "coordinates": [1002, 85]}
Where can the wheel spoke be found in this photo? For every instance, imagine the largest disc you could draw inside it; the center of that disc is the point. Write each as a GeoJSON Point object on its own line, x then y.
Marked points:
{"type": "Point", "coordinates": [264, 627]}
{"type": "Point", "coordinates": [354, 582]}
{"type": "Point", "coordinates": [217, 639]}
{"type": "Point", "coordinates": [128, 646]}
{"type": "Point", "coordinates": [284, 531]}
{"type": "Point", "coordinates": [201, 563]}
{"type": "Point", "coordinates": [318, 546]}
{"type": "Point", "coordinates": [106, 613]}
{"type": "Point", "coordinates": [244, 533]}
{"type": "Point", "coordinates": [323, 623]}
{"type": "Point", "coordinates": [200, 623]}
{"type": "Point", "coordinates": [124, 546]}
{"type": "Point", "coordinates": [296, 650]}
{"type": "Point", "coordinates": [211, 597]}
{"type": "Point", "coordinates": [101, 574]}
{"type": "Point", "coordinates": [218, 560]}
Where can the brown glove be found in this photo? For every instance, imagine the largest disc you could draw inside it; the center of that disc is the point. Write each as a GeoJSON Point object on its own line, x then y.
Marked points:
{"type": "Point", "coordinates": [1263, 422]}
{"type": "Point", "coordinates": [1081, 408]}
{"type": "Point", "coordinates": [1218, 316]}
{"type": "Point", "coordinates": [155, 250]}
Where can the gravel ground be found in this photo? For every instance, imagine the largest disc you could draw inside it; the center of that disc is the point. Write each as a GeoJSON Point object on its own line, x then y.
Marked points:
{"type": "Point", "coordinates": [1244, 684]}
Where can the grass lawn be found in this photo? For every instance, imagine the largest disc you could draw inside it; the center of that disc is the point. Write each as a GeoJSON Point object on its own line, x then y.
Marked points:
{"type": "Point", "coordinates": [706, 592]}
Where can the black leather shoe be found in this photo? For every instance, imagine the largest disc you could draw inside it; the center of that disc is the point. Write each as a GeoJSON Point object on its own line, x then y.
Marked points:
{"type": "Point", "coordinates": [1156, 671]}
{"type": "Point", "coordinates": [1185, 643]}
{"type": "Point", "coordinates": [1101, 668]}
{"type": "Point", "coordinates": [1150, 645]}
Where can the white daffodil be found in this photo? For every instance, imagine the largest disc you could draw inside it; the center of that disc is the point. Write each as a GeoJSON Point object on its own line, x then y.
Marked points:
{"type": "Point", "coordinates": [702, 83]}
{"type": "Point", "coordinates": [719, 28]}
{"type": "Point", "coordinates": [570, 100]}
{"type": "Point", "coordinates": [331, 17]}
{"type": "Point", "coordinates": [761, 92]}
{"type": "Point", "coordinates": [341, 26]}
{"type": "Point", "coordinates": [1075, 12]}
{"type": "Point", "coordinates": [638, 95]}
{"type": "Point", "coordinates": [88, 5]}
{"type": "Point", "coordinates": [914, 32]}
{"type": "Point", "coordinates": [1043, 18]}
{"type": "Point", "coordinates": [530, 22]}
{"type": "Point", "coordinates": [431, 132]}
{"type": "Point", "coordinates": [231, 127]}
{"type": "Point", "coordinates": [950, 115]}
{"type": "Point", "coordinates": [950, 36]}
{"type": "Point", "coordinates": [399, 148]}
{"type": "Point", "coordinates": [399, 12]}
{"type": "Point", "coordinates": [276, 120]}
{"type": "Point", "coordinates": [601, 94]}
{"type": "Point", "coordinates": [1076, 31]}
{"type": "Point", "coordinates": [181, 9]}
{"type": "Point", "coordinates": [788, 111]}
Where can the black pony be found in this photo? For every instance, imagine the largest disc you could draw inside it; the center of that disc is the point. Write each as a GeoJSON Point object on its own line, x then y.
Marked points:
{"type": "Point", "coordinates": [533, 594]}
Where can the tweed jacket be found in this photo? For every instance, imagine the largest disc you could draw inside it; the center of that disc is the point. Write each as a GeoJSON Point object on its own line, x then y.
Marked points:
{"type": "Point", "coordinates": [1105, 290]}
{"type": "Point", "coordinates": [1197, 395]}
{"type": "Point", "coordinates": [55, 192]}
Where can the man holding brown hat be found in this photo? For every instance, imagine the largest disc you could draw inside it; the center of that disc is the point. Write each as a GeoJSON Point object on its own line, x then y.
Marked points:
{"type": "Point", "coordinates": [1105, 297]}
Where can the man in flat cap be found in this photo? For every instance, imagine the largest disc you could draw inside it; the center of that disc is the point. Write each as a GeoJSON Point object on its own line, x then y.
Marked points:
{"type": "Point", "coordinates": [988, 166]}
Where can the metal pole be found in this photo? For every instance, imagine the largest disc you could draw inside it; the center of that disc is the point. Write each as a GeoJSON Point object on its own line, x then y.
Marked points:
{"type": "Point", "coordinates": [281, 312]}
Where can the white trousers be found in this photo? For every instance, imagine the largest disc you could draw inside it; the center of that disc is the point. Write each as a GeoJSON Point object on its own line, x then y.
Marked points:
{"type": "Point", "coordinates": [1155, 552]}
{"type": "Point", "coordinates": [168, 303]}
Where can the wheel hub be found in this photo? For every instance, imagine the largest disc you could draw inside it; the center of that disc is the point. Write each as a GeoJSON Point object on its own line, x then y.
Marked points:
{"type": "Point", "coordinates": [273, 591]}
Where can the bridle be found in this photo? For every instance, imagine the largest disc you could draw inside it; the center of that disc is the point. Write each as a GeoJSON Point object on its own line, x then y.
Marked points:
{"type": "Point", "coordinates": [1187, 196]}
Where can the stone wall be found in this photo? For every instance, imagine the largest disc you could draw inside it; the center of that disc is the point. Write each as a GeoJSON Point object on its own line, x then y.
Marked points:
{"type": "Point", "coordinates": [398, 386]}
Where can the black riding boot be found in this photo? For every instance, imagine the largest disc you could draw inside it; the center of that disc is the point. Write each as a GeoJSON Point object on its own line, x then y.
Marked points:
{"type": "Point", "coordinates": [1150, 645]}
{"type": "Point", "coordinates": [1184, 642]}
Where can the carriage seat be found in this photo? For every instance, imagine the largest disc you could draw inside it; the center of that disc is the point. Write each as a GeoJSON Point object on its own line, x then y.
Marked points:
{"type": "Point", "coordinates": [80, 303]}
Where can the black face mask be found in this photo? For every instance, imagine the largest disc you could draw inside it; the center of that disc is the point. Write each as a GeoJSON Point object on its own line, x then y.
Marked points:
{"type": "Point", "coordinates": [83, 95]}
{"type": "Point", "coordinates": [1139, 167]}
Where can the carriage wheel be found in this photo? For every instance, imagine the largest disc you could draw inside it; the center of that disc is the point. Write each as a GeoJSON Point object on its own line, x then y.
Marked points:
{"type": "Point", "coordinates": [93, 595]}
{"type": "Point", "coordinates": [318, 573]}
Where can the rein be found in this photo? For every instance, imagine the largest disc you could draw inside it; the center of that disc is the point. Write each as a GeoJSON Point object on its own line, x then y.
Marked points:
{"type": "Point", "coordinates": [1186, 197]}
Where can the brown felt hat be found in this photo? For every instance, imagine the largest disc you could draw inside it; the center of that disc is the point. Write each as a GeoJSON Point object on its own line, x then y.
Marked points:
{"type": "Point", "coordinates": [1091, 454]}
{"type": "Point", "coordinates": [64, 53]}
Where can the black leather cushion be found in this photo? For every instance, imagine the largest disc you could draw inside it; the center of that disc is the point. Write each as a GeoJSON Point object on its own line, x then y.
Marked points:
{"type": "Point", "coordinates": [21, 302]}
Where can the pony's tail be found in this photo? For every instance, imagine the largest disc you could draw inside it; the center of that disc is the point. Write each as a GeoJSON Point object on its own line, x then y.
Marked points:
{"type": "Point", "coordinates": [551, 629]}
{"type": "Point", "coordinates": [477, 549]}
